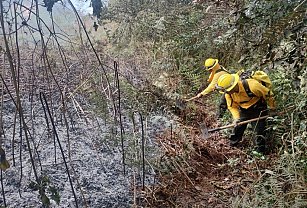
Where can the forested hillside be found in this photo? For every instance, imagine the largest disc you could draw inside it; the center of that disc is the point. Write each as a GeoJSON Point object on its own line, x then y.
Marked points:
{"type": "Point", "coordinates": [94, 109]}
{"type": "Point", "coordinates": [167, 43]}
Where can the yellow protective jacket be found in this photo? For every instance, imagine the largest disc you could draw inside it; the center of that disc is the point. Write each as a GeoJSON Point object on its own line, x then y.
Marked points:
{"type": "Point", "coordinates": [213, 82]}
{"type": "Point", "coordinates": [241, 99]}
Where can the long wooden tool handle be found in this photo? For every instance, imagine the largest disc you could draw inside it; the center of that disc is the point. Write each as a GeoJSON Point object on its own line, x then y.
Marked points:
{"type": "Point", "coordinates": [192, 98]}
{"type": "Point", "coordinates": [251, 120]}
{"type": "Point", "coordinates": [238, 124]}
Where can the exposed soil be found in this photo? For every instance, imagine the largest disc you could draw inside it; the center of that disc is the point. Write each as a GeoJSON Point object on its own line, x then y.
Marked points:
{"type": "Point", "coordinates": [202, 172]}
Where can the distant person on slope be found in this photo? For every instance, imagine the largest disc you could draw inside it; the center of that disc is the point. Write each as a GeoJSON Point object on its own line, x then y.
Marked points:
{"type": "Point", "coordinates": [216, 70]}
{"type": "Point", "coordinates": [243, 107]}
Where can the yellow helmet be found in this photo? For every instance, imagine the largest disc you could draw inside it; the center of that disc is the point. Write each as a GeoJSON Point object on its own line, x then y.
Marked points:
{"type": "Point", "coordinates": [210, 63]}
{"type": "Point", "coordinates": [228, 81]}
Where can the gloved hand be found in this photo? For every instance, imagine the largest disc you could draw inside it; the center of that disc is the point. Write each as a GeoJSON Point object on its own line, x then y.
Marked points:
{"type": "Point", "coordinates": [272, 112]}
{"type": "Point", "coordinates": [235, 122]}
{"type": "Point", "coordinates": [195, 97]}
{"type": "Point", "coordinates": [199, 95]}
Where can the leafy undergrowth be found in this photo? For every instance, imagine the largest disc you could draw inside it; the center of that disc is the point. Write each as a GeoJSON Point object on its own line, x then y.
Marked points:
{"type": "Point", "coordinates": [195, 171]}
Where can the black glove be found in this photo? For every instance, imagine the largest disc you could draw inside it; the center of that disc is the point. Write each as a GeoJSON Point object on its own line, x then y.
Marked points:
{"type": "Point", "coordinates": [235, 122]}
{"type": "Point", "coordinates": [272, 112]}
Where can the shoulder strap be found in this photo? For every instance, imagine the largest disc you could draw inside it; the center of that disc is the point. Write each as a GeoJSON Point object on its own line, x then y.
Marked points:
{"type": "Point", "coordinates": [230, 98]}
{"type": "Point", "coordinates": [219, 70]}
{"type": "Point", "coordinates": [223, 69]}
{"type": "Point", "coordinates": [247, 89]}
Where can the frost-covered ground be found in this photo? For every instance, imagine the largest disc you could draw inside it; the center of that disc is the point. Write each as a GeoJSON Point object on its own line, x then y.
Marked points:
{"type": "Point", "coordinates": [95, 163]}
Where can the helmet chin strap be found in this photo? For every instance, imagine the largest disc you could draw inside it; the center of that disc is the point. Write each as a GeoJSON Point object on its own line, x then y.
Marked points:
{"type": "Point", "coordinates": [235, 88]}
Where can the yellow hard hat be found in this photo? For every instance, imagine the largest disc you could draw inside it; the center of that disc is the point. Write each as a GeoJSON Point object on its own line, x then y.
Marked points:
{"type": "Point", "coordinates": [210, 63]}
{"type": "Point", "coordinates": [228, 81]}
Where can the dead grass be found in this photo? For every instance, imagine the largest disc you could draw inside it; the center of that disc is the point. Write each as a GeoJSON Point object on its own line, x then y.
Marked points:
{"type": "Point", "coordinates": [198, 172]}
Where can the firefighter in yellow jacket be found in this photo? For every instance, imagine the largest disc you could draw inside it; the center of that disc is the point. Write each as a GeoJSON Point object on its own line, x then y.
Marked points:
{"type": "Point", "coordinates": [244, 107]}
{"type": "Point", "coordinates": [216, 70]}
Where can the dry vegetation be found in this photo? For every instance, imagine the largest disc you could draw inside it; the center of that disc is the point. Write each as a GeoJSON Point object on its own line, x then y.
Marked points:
{"type": "Point", "coordinates": [198, 172]}
{"type": "Point", "coordinates": [159, 48]}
